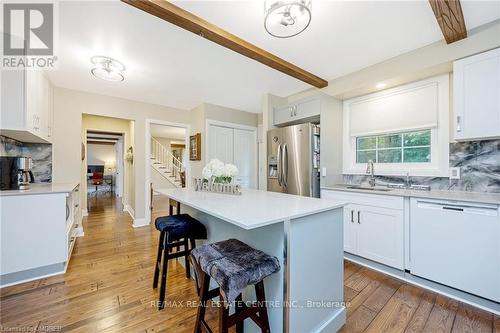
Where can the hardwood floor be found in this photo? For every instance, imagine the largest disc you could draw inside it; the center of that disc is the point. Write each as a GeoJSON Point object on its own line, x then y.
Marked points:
{"type": "Point", "coordinates": [108, 288]}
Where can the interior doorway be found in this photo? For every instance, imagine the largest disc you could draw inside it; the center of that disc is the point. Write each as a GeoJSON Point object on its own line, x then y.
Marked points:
{"type": "Point", "coordinates": [104, 164]}
{"type": "Point", "coordinates": [167, 160]}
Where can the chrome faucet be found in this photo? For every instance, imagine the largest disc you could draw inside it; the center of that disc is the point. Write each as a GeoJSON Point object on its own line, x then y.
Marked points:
{"type": "Point", "coordinates": [370, 170]}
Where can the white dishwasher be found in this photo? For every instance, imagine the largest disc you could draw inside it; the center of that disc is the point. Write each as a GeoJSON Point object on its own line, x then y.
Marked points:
{"type": "Point", "coordinates": [456, 244]}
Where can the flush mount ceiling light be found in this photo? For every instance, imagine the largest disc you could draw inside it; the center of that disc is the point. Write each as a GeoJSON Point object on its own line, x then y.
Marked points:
{"type": "Point", "coordinates": [287, 18]}
{"type": "Point", "coordinates": [107, 68]}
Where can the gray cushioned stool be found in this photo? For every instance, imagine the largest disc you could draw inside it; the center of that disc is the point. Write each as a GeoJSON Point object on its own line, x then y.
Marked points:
{"type": "Point", "coordinates": [233, 265]}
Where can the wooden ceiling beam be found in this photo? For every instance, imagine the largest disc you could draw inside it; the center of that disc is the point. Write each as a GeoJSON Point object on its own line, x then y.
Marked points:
{"type": "Point", "coordinates": [450, 19]}
{"type": "Point", "coordinates": [188, 21]}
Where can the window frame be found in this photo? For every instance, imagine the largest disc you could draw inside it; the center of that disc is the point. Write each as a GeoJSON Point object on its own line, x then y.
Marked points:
{"type": "Point", "coordinates": [401, 148]}
{"type": "Point", "coordinates": [440, 136]}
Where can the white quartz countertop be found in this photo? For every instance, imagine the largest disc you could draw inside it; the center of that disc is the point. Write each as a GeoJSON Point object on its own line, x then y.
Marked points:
{"type": "Point", "coordinates": [252, 209]}
{"type": "Point", "coordinates": [42, 188]}
{"type": "Point", "coordinates": [478, 197]}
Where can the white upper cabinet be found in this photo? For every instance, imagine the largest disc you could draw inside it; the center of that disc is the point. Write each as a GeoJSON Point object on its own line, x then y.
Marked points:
{"type": "Point", "coordinates": [301, 111]}
{"type": "Point", "coordinates": [477, 96]}
{"type": "Point", "coordinates": [26, 105]}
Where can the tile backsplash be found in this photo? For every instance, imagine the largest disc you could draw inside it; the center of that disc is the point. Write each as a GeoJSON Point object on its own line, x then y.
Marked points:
{"type": "Point", "coordinates": [41, 153]}
{"type": "Point", "coordinates": [479, 163]}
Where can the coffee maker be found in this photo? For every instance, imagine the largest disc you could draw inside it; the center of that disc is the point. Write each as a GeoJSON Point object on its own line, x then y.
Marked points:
{"type": "Point", "coordinates": [15, 173]}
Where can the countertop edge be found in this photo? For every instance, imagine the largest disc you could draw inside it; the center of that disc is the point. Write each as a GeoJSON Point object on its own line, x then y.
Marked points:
{"type": "Point", "coordinates": [255, 226]}
{"type": "Point", "coordinates": [477, 197]}
{"type": "Point", "coordinates": [40, 189]}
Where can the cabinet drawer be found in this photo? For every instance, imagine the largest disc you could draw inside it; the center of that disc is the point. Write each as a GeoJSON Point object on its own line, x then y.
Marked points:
{"type": "Point", "coordinates": [374, 200]}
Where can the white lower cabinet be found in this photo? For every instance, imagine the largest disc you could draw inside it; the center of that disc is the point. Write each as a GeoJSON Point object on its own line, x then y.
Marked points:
{"type": "Point", "coordinates": [380, 235]}
{"type": "Point", "coordinates": [373, 226]}
{"type": "Point", "coordinates": [38, 232]}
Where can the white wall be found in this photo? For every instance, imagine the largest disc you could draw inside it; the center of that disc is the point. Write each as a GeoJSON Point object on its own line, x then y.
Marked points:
{"type": "Point", "coordinates": [100, 154]}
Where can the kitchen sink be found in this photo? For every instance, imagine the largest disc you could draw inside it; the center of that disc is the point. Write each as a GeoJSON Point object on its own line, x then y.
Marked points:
{"type": "Point", "coordinates": [368, 188]}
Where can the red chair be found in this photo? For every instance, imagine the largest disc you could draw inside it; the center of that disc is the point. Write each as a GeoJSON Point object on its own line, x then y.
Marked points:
{"type": "Point", "coordinates": [97, 179]}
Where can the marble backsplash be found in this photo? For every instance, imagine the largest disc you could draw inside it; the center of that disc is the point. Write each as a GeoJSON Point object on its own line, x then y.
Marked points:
{"type": "Point", "coordinates": [41, 153]}
{"type": "Point", "coordinates": [479, 163]}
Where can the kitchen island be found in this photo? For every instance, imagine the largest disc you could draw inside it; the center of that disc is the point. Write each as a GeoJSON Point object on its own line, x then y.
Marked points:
{"type": "Point", "coordinates": [305, 234]}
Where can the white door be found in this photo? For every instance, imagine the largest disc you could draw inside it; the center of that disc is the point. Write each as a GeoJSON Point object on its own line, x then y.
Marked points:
{"type": "Point", "coordinates": [350, 216]}
{"type": "Point", "coordinates": [245, 157]}
{"type": "Point", "coordinates": [380, 235]}
{"type": "Point", "coordinates": [220, 144]}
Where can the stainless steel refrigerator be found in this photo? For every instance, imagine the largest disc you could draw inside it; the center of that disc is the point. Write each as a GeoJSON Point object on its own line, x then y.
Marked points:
{"type": "Point", "coordinates": [293, 160]}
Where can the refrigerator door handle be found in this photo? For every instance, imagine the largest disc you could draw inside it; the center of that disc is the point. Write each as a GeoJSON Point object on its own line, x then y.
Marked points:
{"type": "Point", "coordinates": [284, 165]}
{"type": "Point", "coordinates": [279, 164]}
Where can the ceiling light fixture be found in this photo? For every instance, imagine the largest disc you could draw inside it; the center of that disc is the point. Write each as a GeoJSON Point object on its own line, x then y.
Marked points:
{"type": "Point", "coordinates": [107, 68]}
{"type": "Point", "coordinates": [381, 85]}
{"type": "Point", "coordinates": [287, 18]}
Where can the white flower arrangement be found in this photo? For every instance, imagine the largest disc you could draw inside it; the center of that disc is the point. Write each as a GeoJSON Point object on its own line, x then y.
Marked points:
{"type": "Point", "coordinates": [219, 172]}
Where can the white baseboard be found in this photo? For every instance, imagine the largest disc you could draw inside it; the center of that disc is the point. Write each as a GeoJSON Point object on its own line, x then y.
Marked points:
{"type": "Point", "coordinates": [140, 223]}
{"type": "Point", "coordinates": [130, 210]}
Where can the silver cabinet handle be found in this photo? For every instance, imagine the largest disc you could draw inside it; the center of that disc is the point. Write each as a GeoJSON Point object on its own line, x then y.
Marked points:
{"type": "Point", "coordinates": [352, 216]}
{"type": "Point", "coordinates": [295, 110]}
{"type": "Point", "coordinates": [359, 217]}
{"type": "Point", "coordinates": [291, 111]}
{"type": "Point", "coordinates": [459, 126]}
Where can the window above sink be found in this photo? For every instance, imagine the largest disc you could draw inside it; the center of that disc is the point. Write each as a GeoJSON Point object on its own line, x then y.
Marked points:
{"type": "Point", "coordinates": [404, 147]}
{"type": "Point", "coordinates": [402, 130]}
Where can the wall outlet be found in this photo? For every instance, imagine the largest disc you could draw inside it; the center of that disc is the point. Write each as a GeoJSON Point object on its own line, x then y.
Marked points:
{"type": "Point", "coordinates": [323, 172]}
{"type": "Point", "coordinates": [455, 173]}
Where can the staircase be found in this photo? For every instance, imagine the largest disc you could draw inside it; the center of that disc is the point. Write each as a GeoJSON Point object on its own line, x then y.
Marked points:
{"type": "Point", "coordinates": [170, 167]}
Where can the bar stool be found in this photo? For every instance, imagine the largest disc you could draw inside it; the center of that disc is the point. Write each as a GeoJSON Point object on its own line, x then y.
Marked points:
{"type": "Point", "coordinates": [175, 231]}
{"type": "Point", "coordinates": [233, 265]}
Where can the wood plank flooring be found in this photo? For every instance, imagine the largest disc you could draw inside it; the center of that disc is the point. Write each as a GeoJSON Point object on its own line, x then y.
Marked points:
{"type": "Point", "coordinates": [108, 288]}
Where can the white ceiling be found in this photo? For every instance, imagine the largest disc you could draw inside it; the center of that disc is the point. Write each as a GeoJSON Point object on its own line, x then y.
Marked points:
{"type": "Point", "coordinates": [169, 132]}
{"type": "Point", "coordinates": [169, 66]}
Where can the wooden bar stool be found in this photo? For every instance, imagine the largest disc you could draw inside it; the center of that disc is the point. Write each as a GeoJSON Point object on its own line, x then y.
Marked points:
{"type": "Point", "coordinates": [233, 265]}
{"type": "Point", "coordinates": [175, 231]}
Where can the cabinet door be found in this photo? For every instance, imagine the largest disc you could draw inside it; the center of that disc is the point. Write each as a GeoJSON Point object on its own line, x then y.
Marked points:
{"type": "Point", "coordinates": [12, 101]}
{"type": "Point", "coordinates": [350, 229]}
{"type": "Point", "coordinates": [32, 117]}
{"type": "Point", "coordinates": [220, 144]}
{"type": "Point", "coordinates": [380, 235]}
{"type": "Point", "coordinates": [477, 96]}
{"type": "Point", "coordinates": [283, 114]}
{"type": "Point", "coordinates": [307, 109]}
{"type": "Point", "coordinates": [245, 157]}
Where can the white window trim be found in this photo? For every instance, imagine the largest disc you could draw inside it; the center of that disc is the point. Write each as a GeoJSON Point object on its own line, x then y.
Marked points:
{"type": "Point", "coordinates": [440, 143]}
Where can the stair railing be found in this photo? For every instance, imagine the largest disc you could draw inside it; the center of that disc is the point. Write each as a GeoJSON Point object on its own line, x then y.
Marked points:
{"type": "Point", "coordinates": [165, 157]}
